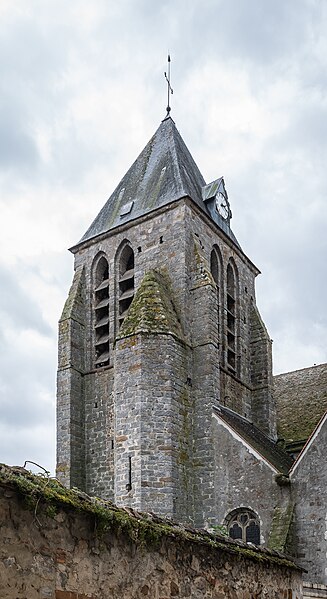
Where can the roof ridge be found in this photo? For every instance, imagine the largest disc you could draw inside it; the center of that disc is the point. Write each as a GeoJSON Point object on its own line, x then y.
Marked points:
{"type": "Point", "coordinates": [175, 130]}
{"type": "Point", "coordinates": [164, 172]}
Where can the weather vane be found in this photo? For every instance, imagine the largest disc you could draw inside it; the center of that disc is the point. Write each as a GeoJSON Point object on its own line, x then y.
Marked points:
{"type": "Point", "coordinates": [170, 89]}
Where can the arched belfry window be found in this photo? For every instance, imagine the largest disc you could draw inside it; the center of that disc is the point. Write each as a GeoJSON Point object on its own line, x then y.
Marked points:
{"type": "Point", "coordinates": [231, 318]}
{"type": "Point", "coordinates": [243, 524]}
{"type": "Point", "coordinates": [125, 282]}
{"type": "Point", "coordinates": [214, 267]}
{"type": "Point", "coordinates": [101, 308]}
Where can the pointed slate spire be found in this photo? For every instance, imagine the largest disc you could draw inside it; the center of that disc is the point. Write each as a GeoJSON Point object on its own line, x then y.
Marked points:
{"type": "Point", "coordinates": [163, 173]}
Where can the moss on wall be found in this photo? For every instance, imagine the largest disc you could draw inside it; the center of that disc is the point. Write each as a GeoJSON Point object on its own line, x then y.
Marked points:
{"type": "Point", "coordinates": [280, 533]}
{"type": "Point", "coordinates": [152, 309]}
{"type": "Point", "coordinates": [44, 495]}
{"type": "Point", "coordinates": [74, 300]}
{"type": "Point", "coordinates": [301, 398]}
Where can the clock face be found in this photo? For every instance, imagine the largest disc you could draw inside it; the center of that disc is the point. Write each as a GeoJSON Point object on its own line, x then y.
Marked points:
{"type": "Point", "coordinates": [222, 205]}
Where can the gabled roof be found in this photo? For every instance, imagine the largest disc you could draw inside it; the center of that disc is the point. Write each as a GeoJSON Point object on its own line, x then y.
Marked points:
{"type": "Point", "coordinates": [317, 431]}
{"type": "Point", "coordinates": [256, 438]}
{"type": "Point", "coordinates": [163, 173]}
{"type": "Point", "coordinates": [301, 401]}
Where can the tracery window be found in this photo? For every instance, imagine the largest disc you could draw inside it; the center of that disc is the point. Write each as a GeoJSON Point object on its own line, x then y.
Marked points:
{"type": "Point", "coordinates": [231, 318]}
{"type": "Point", "coordinates": [243, 524]}
{"type": "Point", "coordinates": [101, 309]}
{"type": "Point", "coordinates": [125, 282]}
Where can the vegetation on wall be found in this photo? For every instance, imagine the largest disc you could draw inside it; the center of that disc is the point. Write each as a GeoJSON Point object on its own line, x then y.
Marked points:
{"type": "Point", "coordinates": [45, 496]}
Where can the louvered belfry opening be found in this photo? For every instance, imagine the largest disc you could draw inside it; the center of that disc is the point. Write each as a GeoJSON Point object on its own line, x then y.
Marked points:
{"type": "Point", "coordinates": [101, 306]}
{"type": "Point", "coordinates": [231, 319]}
{"type": "Point", "coordinates": [125, 282]}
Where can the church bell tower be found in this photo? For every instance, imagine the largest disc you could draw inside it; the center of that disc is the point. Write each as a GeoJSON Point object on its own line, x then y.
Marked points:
{"type": "Point", "coordinates": [160, 326]}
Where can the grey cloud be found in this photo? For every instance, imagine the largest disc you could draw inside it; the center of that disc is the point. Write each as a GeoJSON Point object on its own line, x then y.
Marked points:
{"type": "Point", "coordinates": [17, 146]}
{"type": "Point", "coordinates": [32, 444]}
{"type": "Point", "coordinates": [266, 31]}
{"type": "Point", "coordinates": [246, 30]}
{"type": "Point", "coordinates": [308, 129]}
{"type": "Point", "coordinates": [124, 50]}
{"type": "Point", "coordinates": [26, 381]}
{"type": "Point", "coordinates": [16, 307]}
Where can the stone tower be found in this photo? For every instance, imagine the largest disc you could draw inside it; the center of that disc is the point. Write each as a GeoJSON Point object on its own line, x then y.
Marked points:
{"type": "Point", "coordinates": [160, 327]}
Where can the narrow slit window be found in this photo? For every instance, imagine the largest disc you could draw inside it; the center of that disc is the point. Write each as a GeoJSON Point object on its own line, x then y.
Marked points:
{"type": "Point", "coordinates": [129, 483]}
{"type": "Point", "coordinates": [101, 309]}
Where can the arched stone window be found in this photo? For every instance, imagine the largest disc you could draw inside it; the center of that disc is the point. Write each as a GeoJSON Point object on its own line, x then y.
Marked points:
{"type": "Point", "coordinates": [215, 269]}
{"type": "Point", "coordinates": [231, 318]}
{"type": "Point", "coordinates": [125, 282]}
{"type": "Point", "coordinates": [214, 266]}
{"type": "Point", "coordinates": [243, 524]}
{"type": "Point", "coordinates": [101, 309]}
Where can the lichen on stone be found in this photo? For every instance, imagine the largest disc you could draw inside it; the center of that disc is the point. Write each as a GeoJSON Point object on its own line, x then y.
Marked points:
{"type": "Point", "coordinates": [202, 276]}
{"type": "Point", "coordinates": [46, 496]}
{"type": "Point", "coordinates": [301, 399]}
{"type": "Point", "coordinates": [152, 310]}
{"type": "Point", "coordinates": [280, 532]}
{"type": "Point", "coordinates": [74, 298]}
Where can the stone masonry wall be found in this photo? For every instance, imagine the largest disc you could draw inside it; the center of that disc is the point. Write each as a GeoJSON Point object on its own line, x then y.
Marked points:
{"type": "Point", "coordinates": [235, 389]}
{"type": "Point", "coordinates": [70, 387]}
{"type": "Point", "coordinates": [314, 591]}
{"type": "Point", "coordinates": [263, 401]}
{"type": "Point", "coordinates": [157, 243]}
{"type": "Point", "coordinates": [65, 546]}
{"type": "Point", "coordinates": [309, 484]}
{"type": "Point", "coordinates": [166, 241]}
{"type": "Point", "coordinates": [152, 427]}
{"type": "Point", "coordinates": [205, 383]}
{"type": "Point", "coordinates": [244, 480]}
{"type": "Point", "coordinates": [99, 433]}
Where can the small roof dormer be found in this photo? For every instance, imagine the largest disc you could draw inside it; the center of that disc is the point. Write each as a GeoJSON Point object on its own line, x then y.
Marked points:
{"type": "Point", "coordinates": [216, 200]}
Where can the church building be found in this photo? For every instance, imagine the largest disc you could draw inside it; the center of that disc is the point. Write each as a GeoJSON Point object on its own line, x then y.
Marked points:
{"type": "Point", "coordinates": [166, 398]}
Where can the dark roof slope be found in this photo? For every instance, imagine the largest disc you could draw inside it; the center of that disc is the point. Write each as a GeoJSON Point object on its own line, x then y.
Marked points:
{"type": "Point", "coordinates": [301, 401]}
{"type": "Point", "coordinates": [256, 438]}
{"type": "Point", "coordinates": [163, 173]}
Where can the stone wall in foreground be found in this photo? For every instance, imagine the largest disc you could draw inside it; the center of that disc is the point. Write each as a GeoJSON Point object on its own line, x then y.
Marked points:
{"type": "Point", "coordinates": [59, 544]}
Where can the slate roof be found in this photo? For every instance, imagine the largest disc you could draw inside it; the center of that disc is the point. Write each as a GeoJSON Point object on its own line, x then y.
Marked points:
{"type": "Point", "coordinates": [163, 173]}
{"type": "Point", "coordinates": [301, 401]}
{"type": "Point", "coordinates": [256, 438]}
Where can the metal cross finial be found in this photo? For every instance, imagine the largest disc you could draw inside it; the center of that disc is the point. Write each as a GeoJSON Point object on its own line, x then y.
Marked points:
{"type": "Point", "coordinates": [170, 89]}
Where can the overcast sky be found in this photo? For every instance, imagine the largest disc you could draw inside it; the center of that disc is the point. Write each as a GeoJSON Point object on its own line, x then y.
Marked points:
{"type": "Point", "coordinates": [81, 92]}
